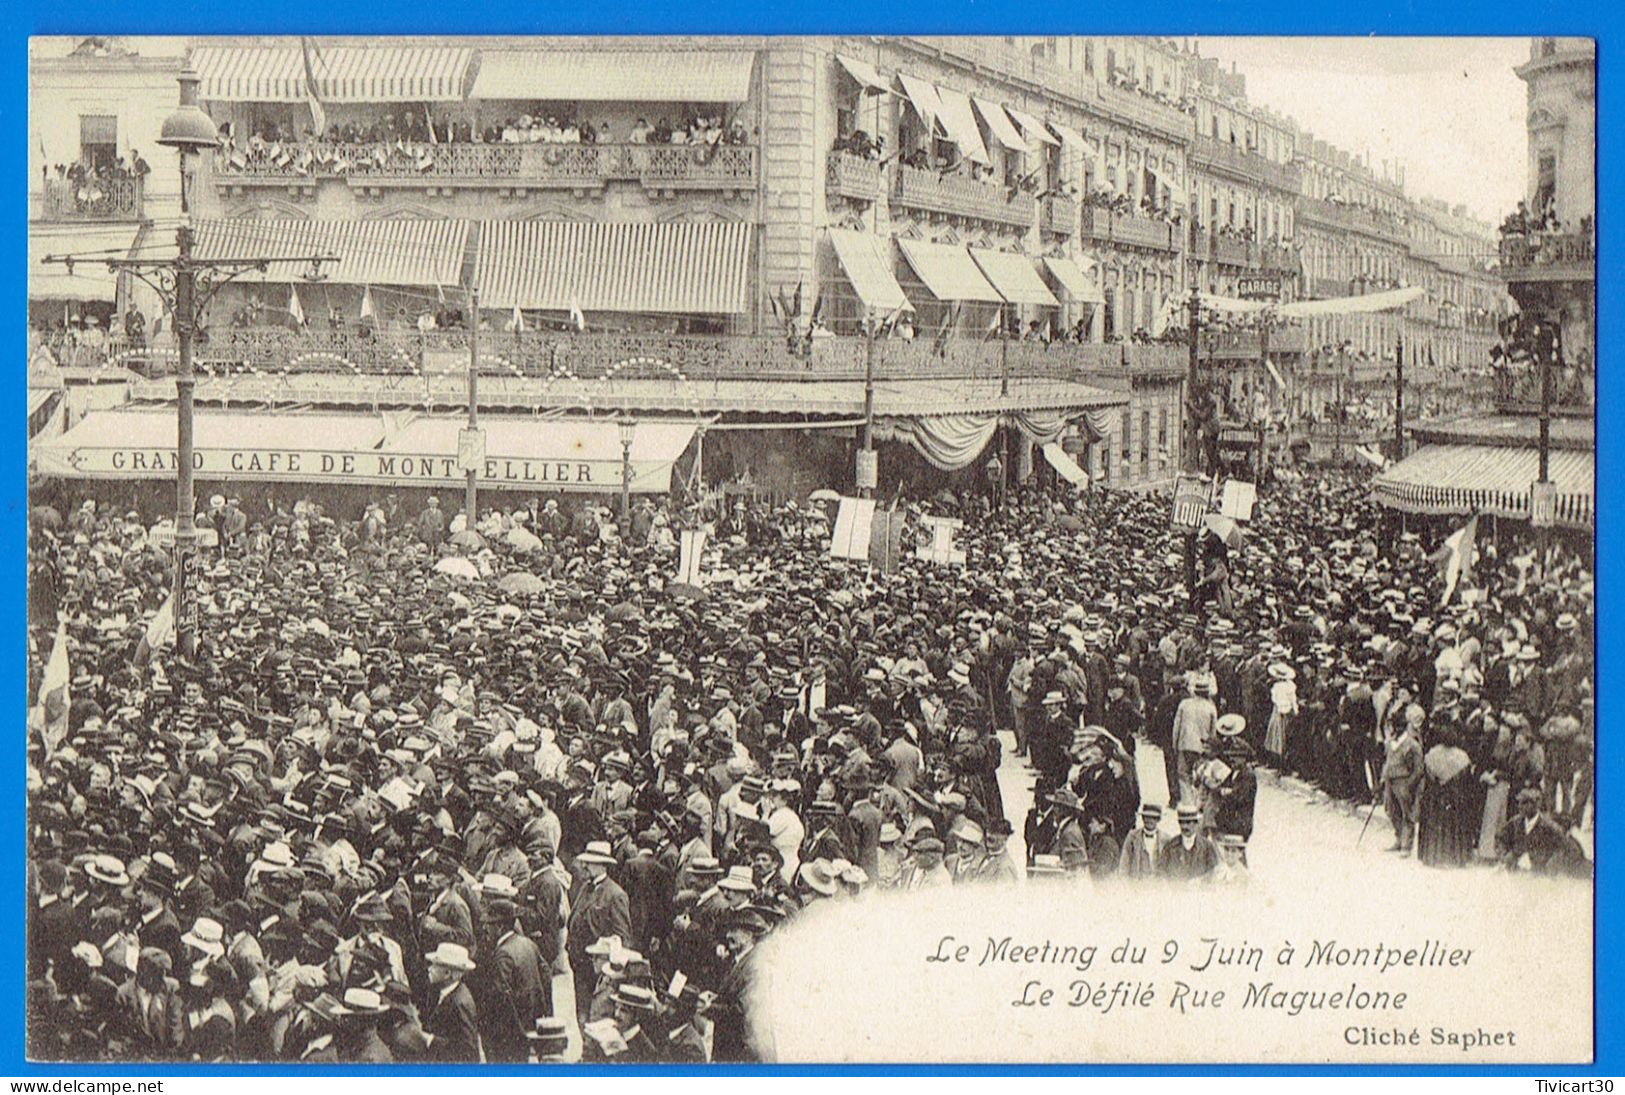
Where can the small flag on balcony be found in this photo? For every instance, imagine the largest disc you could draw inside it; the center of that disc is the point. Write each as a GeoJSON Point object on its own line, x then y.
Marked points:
{"type": "Point", "coordinates": [366, 303]}
{"type": "Point", "coordinates": [295, 309]}
{"type": "Point", "coordinates": [576, 316]}
{"type": "Point", "coordinates": [517, 323]}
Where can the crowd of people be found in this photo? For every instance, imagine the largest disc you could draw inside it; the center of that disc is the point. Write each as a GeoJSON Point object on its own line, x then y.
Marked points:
{"type": "Point", "coordinates": [408, 142]}
{"type": "Point", "coordinates": [99, 186]}
{"type": "Point", "coordinates": [431, 793]}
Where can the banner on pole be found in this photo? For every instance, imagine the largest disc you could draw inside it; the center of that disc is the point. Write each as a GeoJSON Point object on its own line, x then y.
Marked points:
{"type": "Point", "coordinates": [690, 545]}
{"type": "Point", "coordinates": [941, 549]}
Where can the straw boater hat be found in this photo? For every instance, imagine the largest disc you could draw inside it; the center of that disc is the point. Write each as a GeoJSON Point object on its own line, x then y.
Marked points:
{"type": "Point", "coordinates": [1283, 672]}
{"type": "Point", "coordinates": [1231, 725]}
{"type": "Point", "coordinates": [597, 851]}
{"type": "Point", "coordinates": [452, 956]}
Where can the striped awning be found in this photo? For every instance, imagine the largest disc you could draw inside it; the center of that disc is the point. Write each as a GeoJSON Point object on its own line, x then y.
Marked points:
{"type": "Point", "coordinates": [344, 74]}
{"type": "Point", "coordinates": [1014, 276]}
{"type": "Point", "coordinates": [369, 252]}
{"type": "Point", "coordinates": [923, 94]}
{"type": "Point", "coordinates": [1461, 479]}
{"type": "Point", "coordinates": [626, 76]}
{"type": "Point", "coordinates": [948, 271]}
{"type": "Point", "coordinates": [867, 262]}
{"type": "Point", "coordinates": [616, 266]}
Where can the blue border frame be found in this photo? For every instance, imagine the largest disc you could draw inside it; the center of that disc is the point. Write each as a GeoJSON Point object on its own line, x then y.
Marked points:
{"type": "Point", "coordinates": [1485, 17]}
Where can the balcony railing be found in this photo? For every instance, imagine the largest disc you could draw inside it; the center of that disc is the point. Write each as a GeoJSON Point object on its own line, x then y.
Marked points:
{"type": "Point", "coordinates": [854, 177]}
{"type": "Point", "coordinates": [1124, 228]}
{"type": "Point", "coordinates": [1537, 256]}
{"type": "Point", "coordinates": [270, 352]}
{"type": "Point", "coordinates": [1278, 258]}
{"type": "Point", "coordinates": [1148, 113]}
{"type": "Point", "coordinates": [1242, 163]}
{"type": "Point", "coordinates": [92, 200]}
{"type": "Point", "coordinates": [506, 166]}
{"type": "Point", "coordinates": [1059, 214]}
{"type": "Point", "coordinates": [1321, 287]}
{"type": "Point", "coordinates": [1350, 218]}
{"type": "Point", "coordinates": [1232, 251]}
{"type": "Point", "coordinates": [962, 196]}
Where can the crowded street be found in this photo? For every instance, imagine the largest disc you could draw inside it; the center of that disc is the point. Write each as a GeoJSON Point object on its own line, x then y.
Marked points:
{"type": "Point", "coordinates": [406, 753]}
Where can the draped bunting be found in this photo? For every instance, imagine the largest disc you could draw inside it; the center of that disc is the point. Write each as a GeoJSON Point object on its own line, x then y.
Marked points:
{"type": "Point", "coordinates": [954, 441]}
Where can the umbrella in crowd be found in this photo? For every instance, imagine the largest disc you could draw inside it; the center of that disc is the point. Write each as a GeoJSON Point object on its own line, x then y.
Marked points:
{"type": "Point", "coordinates": [458, 567]}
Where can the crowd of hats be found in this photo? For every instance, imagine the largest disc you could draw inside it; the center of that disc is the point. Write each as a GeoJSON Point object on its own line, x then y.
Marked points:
{"type": "Point", "coordinates": [363, 726]}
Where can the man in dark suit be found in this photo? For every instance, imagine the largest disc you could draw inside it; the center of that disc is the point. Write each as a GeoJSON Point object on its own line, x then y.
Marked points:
{"type": "Point", "coordinates": [1531, 841]}
{"type": "Point", "coordinates": [451, 1020]}
{"type": "Point", "coordinates": [600, 909]}
{"type": "Point", "coordinates": [520, 986]}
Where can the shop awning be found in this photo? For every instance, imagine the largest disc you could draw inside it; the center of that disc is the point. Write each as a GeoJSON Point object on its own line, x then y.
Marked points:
{"type": "Point", "coordinates": [1014, 276]}
{"type": "Point", "coordinates": [923, 94]}
{"type": "Point", "coordinates": [344, 74]}
{"type": "Point", "coordinates": [1069, 136]}
{"type": "Point", "coordinates": [521, 453]}
{"type": "Point", "coordinates": [1066, 467]}
{"type": "Point", "coordinates": [948, 271]}
{"type": "Point", "coordinates": [1032, 128]}
{"type": "Point", "coordinates": [1463, 479]}
{"type": "Point", "coordinates": [960, 123]}
{"type": "Point", "coordinates": [616, 266]}
{"type": "Point", "coordinates": [867, 262]}
{"type": "Point", "coordinates": [370, 252]}
{"type": "Point", "coordinates": [629, 76]}
{"type": "Point", "coordinates": [91, 279]}
{"type": "Point", "coordinates": [1073, 282]}
{"type": "Point", "coordinates": [999, 124]}
{"type": "Point", "coordinates": [863, 72]}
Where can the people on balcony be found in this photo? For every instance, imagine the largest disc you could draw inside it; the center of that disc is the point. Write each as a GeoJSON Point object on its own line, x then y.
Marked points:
{"type": "Point", "coordinates": [860, 144]}
{"type": "Point", "coordinates": [1104, 197]}
{"type": "Point", "coordinates": [94, 187]}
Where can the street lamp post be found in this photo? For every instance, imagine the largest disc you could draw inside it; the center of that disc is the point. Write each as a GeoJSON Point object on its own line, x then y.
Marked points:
{"type": "Point", "coordinates": [627, 425]}
{"type": "Point", "coordinates": [186, 283]}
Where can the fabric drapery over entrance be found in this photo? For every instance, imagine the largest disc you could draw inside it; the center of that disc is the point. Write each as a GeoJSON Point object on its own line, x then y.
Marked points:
{"type": "Point", "coordinates": [948, 272]}
{"type": "Point", "coordinates": [521, 453]}
{"type": "Point", "coordinates": [632, 76]}
{"type": "Point", "coordinates": [90, 279]}
{"type": "Point", "coordinates": [1073, 282]}
{"type": "Point", "coordinates": [1014, 276]}
{"type": "Point", "coordinates": [999, 124]}
{"type": "Point", "coordinates": [1461, 479]}
{"type": "Point", "coordinates": [867, 262]}
{"type": "Point", "coordinates": [344, 74]}
{"type": "Point", "coordinates": [616, 266]}
{"type": "Point", "coordinates": [863, 72]}
{"type": "Point", "coordinates": [1032, 128]}
{"type": "Point", "coordinates": [954, 441]}
{"type": "Point", "coordinates": [1066, 467]}
{"type": "Point", "coordinates": [960, 123]}
{"type": "Point", "coordinates": [923, 94]}
{"type": "Point", "coordinates": [368, 252]}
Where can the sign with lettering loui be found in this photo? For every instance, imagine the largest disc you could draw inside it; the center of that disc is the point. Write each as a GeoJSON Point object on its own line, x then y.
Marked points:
{"type": "Point", "coordinates": [522, 453]}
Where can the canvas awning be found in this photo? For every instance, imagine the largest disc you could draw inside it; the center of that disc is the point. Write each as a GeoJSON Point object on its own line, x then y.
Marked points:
{"type": "Point", "coordinates": [616, 266]}
{"type": "Point", "coordinates": [960, 123]}
{"type": "Point", "coordinates": [1463, 479]}
{"type": "Point", "coordinates": [863, 72]}
{"type": "Point", "coordinates": [1069, 135]}
{"type": "Point", "coordinates": [521, 453]}
{"type": "Point", "coordinates": [1032, 128]}
{"type": "Point", "coordinates": [1014, 276]}
{"type": "Point", "coordinates": [1066, 467]}
{"type": "Point", "coordinates": [999, 124]}
{"type": "Point", "coordinates": [948, 271]}
{"type": "Point", "coordinates": [91, 279]}
{"type": "Point", "coordinates": [867, 262]}
{"type": "Point", "coordinates": [369, 252]}
{"type": "Point", "coordinates": [1073, 282]}
{"type": "Point", "coordinates": [1355, 305]}
{"type": "Point", "coordinates": [630, 76]}
{"type": "Point", "coordinates": [923, 94]}
{"type": "Point", "coordinates": [344, 74]}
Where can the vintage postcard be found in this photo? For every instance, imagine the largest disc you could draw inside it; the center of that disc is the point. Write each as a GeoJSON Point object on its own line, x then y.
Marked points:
{"type": "Point", "coordinates": [644, 550]}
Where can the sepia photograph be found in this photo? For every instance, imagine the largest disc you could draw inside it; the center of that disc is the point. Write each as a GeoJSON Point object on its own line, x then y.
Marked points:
{"type": "Point", "coordinates": [810, 549]}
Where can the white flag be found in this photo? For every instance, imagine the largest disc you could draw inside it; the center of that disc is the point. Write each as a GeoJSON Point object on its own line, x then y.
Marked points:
{"type": "Point", "coordinates": [295, 309]}
{"type": "Point", "coordinates": [366, 303]}
{"type": "Point", "coordinates": [162, 627]}
{"type": "Point", "coordinates": [517, 323]}
{"type": "Point", "coordinates": [576, 316]}
{"type": "Point", "coordinates": [50, 713]}
{"type": "Point", "coordinates": [1455, 557]}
